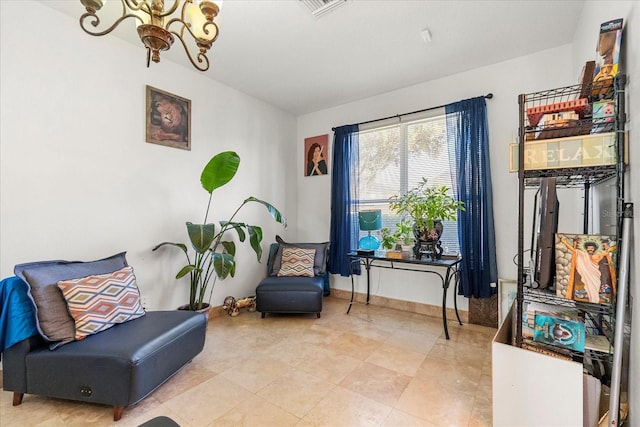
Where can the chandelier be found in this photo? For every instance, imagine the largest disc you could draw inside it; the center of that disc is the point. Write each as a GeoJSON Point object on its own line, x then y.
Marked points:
{"type": "Point", "coordinates": [157, 26]}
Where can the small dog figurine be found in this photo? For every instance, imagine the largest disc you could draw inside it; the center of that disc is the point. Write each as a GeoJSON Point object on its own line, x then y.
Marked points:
{"type": "Point", "coordinates": [233, 306]}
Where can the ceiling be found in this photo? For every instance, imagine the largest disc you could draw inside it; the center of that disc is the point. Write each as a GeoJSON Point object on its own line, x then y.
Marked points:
{"type": "Point", "coordinates": [278, 52]}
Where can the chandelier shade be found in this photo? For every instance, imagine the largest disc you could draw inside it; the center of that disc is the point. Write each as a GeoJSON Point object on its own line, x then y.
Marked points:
{"type": "Point", "coordinates": [189, 21]}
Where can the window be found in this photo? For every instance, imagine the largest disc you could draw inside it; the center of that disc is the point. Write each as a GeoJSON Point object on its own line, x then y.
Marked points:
{"type": "Point", "coordinates": [395, 157]}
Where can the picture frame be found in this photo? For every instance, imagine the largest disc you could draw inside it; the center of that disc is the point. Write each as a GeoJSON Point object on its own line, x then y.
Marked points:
{"type": "Point", "coordinates": [316, 158]}
{"type": "Point", "coordinates": [168, 119]}
{"type": "Point", "coordinates": [586, 267]}
{"type": "Point", "coordinates": [508, 291]}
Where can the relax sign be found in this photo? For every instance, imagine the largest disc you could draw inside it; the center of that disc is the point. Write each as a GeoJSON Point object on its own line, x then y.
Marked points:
{"type": "Point", "coordinates": [584, 150]}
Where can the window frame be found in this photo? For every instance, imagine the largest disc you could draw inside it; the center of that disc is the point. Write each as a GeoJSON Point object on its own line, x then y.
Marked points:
{"type": "Point", "coordinates": [403, 123]}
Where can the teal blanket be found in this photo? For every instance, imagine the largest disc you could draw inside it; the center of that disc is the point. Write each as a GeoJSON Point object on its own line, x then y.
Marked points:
{"type": "Point", "coordinates": [17, 314]}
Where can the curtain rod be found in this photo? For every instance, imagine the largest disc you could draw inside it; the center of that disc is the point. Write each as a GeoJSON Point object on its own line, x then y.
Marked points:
{"type": "Point", "coordinates": [487, 96]}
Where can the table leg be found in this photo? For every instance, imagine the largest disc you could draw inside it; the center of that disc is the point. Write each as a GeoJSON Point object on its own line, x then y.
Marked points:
{"type": "Point", "coordinates": [455, 294]}
{"type": "Point", "coordinates": [444, 306]}
{"type": "Point", "coordinates": [368, 267]}
{"type": "Point", "coordinates": [352, 287]}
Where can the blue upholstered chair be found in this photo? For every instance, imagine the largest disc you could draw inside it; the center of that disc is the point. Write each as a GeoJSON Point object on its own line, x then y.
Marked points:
{"type": "Point", "coordinates": [293, 294]}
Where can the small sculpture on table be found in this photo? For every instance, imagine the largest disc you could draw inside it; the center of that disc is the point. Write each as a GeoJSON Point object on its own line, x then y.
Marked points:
{"type": "Point", "coordinates": [431, 250]}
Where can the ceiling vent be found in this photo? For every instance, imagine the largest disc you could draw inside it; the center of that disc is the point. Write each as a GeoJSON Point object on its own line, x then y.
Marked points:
{"type": "Point", "coordinates": [322, 7]}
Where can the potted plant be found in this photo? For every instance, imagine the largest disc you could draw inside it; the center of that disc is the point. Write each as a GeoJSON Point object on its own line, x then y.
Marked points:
{"type": "Point", "coordinates": [388, 239]}
{"type": "Point", "coordinates": [427, 207]}
{"type": "Point", "coordinates": [403, 235]}
{"type": "Point", "coordinates": [213, 257]}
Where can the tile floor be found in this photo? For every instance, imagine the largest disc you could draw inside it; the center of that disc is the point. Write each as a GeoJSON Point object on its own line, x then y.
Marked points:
{"type": "Point", "coordinates": [374, 367]}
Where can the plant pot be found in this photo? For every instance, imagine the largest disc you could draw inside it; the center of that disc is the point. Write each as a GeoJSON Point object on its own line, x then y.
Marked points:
{"type": "Point", "coordinates": [205, 309]}
{"type": "Point", "coordinates": [428, 242]}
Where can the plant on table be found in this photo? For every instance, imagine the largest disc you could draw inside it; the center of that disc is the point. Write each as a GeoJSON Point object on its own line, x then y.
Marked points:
{"type": "Point", "coordinates": [425, 206]}
{"type": "Point", "coordinates": [213, 257]}
{"type": "Point", "coordinates": [403, 235]}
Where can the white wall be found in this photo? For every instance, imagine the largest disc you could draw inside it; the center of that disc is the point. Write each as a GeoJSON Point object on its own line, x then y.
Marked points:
{"type": "Point", "coordinates": [594, 13]}
{"type": "Point", "coordinates": [548, 69]}
{"type": "Point", "coordinates": [78, 180]}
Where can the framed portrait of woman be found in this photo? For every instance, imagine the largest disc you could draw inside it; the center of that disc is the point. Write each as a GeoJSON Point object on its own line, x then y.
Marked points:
{"type": "Point", "coordinates": [316, 155]}
{"type": "Point", "coordinates": [168, 119]}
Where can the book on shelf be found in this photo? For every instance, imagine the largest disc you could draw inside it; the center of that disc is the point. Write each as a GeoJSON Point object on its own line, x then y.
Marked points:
{"type": "Point", "coordinates": [598, 343]}
{"type": "Point", "coordinates": [559, 332]}
{"type": "Point", "coordinates": [531, 309]}
{"type": "Point", "coordinates": [608, 52]}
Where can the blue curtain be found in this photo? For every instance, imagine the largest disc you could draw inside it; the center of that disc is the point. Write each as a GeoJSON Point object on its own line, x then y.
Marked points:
{"type": "Point", "coordinates": [344, 185]}
{"type": "Point", "coordinates": [468, 134]}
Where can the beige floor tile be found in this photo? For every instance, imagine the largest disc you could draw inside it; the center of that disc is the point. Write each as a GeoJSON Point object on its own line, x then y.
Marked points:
{"type": "Point", "coordinates": [462, 353]}
{"type": "Point", "coordinates": [256, 411]}
{"type": "Point", "coordinates": [401, 419]}
{"type": "Point", "coordinates": [320, 334]}
{"type": "Point", "coordinates": [430, 402]}
{"type": "Point", "coordinates": [413, 341]}
{"type": "Point", "coordinates": [296, 392]}
{"type": "Point", "coordinates": [346, 408]}
{"type": "Point", "coordinates": [193, 374]}
{"type": "Point", "coordinates": [354, 345]}
{"type": "Point", "coordinates": [255, 373]}
{"type": "Point", "coordinates": [209, 400]}
{"type": "Point", "coordinates": [380, 384]}
{"type": "Point", "coordinates": [449, 375]}
{"type": "Point", "coordinates": [292, 351]}
{"type": "Point", "coordinates": [329, 365]}
{"type": "Point", "coordinates": [397, 358]}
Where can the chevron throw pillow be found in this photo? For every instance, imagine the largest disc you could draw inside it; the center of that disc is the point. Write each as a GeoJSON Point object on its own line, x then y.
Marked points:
{"type": "Point", "coordinates": [297, 262]}
{"type": "Point", "coordinates": [99, 302]}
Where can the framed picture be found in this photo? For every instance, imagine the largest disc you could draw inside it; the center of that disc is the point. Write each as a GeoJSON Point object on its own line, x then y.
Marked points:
{"type": "Point", "coordinates": [168, 119]}
{"type": "Point", "coordinates": [585, 267]}
{"type": "Point", "coordinates": [316, 151]}
{"type": "Point", "coordinates": [508, 291]}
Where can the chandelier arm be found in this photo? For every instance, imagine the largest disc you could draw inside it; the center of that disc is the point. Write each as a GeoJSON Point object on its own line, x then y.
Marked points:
{"type": "Point", "coordinates": [186, 26]}
{"type": "Point", "coordinates": [173, 8]}
{"type": "Point", "coordinates": [96, 21]}
{"type": "Point", "coordinates": [201, 57]}
{"type": "Point", "coordinates": [136, 5]}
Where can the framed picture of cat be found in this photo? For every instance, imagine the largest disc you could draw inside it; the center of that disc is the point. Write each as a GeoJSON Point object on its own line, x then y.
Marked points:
{"type": "Point", "coordinates": [168, 119]}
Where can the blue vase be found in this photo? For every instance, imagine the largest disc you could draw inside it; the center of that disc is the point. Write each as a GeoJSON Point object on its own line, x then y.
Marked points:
{"type": "Point", "coordinates": [369, 243]}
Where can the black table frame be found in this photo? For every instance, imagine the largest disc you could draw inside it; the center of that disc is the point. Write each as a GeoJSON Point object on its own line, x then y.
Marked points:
{"type": "Point", "coordinates": [451, 264]}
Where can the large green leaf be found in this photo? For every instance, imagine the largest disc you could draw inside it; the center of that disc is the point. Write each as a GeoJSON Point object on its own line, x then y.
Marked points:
{"type": "Point", "coordinates": [255, 237]}
{"type": "Point", "coordinates": [186, 270]}
{"type": "Point", "coordinates": [220, 170]}
{"type": "Point", "coordinates": [235, 226]}
{"type": "Point", "coordinates": [177, 245]}
{"type": "Point", "coordinates": [229, 247]}
{"type": "Point", "coordinates": [224, 264]}
{"type": "Point", "coordinates": [201, 236]}
{"type": "Point", "coordinates": [273, 211]}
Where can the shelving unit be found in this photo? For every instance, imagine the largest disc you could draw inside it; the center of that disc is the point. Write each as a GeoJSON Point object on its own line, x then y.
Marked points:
{"type": "Point", "coordinates": [540, 367]}
{"type": "Point", "coordinates": [582, 176]}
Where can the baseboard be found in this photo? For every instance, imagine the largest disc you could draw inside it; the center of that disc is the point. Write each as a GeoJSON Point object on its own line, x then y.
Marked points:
{"type": "Point", "coordinates": [408, 306]}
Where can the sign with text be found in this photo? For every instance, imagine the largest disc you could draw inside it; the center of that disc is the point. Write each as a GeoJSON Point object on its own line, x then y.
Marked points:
{"type": "Point", "coordinates": [576, 151]}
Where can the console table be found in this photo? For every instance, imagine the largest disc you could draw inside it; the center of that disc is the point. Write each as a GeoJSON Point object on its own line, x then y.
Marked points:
{"type": "Point", "coordinates": [447, 265]}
